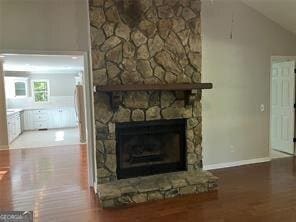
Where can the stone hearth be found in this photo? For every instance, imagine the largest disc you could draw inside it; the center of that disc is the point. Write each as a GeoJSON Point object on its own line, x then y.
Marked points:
{"type": "Point", "coordinates": [156, 187]}
{"type": "Point", "coordinates": [145, 42]}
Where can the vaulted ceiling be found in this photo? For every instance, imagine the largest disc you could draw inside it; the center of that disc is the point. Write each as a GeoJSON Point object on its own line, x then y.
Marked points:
{"type": "Point", "coordinates": [282, 12]}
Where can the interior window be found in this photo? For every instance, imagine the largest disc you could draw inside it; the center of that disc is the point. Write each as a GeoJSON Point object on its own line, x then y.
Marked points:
{"type": "Point", "coordinates": [40, 90]}
{"type": "Point", "coordinates": [20, 88]}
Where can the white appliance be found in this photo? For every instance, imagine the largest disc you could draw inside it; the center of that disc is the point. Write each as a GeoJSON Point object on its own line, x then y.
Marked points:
{"type": "Point", "coordinates": [80, 112]}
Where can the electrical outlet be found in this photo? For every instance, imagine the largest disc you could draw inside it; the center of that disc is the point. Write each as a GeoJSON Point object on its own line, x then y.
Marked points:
{"type": "Point", "coordinates": [262, 108]}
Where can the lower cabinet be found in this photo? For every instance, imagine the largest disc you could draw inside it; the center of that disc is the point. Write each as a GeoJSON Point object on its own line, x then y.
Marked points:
{"type": "Point", "coordinates": [14, 126]}
{"type": "Point", "coordinates": [49, 118]}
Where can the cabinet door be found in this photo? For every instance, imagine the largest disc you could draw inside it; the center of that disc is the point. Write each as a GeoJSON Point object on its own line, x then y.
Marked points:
{"type": "Point", "coordinates": [18, 124]}
{"type": "Point", "coordinates": [28, 120]}
{"type": "Point", "coordinates": [9, 128]}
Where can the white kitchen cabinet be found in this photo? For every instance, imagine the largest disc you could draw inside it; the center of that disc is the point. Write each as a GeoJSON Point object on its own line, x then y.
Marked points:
{"type": "Point", "coordinates": [50, 118]}
{"type": "Point", "coordinates": [13, 126]}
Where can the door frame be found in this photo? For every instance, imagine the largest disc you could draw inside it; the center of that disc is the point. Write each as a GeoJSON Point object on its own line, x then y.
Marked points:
{"type": "Point", "coordinates": [89, 103]}
{"type": "Point", "coordinates": [272, 60]}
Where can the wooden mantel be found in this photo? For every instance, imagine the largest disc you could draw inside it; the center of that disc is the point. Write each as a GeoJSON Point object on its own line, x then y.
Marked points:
{"type": "Point", "coordinates": [190, 90]}
{"type": "Point", "coordinates": [154, 87]}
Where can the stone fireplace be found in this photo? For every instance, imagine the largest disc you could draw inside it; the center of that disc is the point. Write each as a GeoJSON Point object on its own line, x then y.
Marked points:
{"type": "Point", "coordinates": [148, 142]}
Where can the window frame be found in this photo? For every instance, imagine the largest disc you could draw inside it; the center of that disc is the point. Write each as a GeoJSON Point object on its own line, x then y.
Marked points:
{"type": "Point", "coordinates": [33, 90]}
{"type": "Point", "coordinates": [22, 80]}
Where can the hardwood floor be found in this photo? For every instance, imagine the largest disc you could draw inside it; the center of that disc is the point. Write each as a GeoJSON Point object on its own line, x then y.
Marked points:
{"type": "Point", "coordinates": [53, 183]}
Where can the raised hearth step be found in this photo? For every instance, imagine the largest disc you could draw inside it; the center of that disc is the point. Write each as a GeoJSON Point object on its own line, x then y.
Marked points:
{"type": "Point", "coordinates": [155, 187]}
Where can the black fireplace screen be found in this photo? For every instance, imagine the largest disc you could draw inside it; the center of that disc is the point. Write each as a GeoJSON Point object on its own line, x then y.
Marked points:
{"type": "Point", "coordinates": [153, 147]}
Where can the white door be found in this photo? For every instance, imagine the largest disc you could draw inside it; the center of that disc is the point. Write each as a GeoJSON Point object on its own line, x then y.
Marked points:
{"type": "Point", "coordinates": [282, 106]}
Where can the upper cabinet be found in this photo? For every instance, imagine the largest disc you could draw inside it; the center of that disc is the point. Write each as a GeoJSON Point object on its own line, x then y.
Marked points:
{"type": "Point", "coordinates": [16, 87]}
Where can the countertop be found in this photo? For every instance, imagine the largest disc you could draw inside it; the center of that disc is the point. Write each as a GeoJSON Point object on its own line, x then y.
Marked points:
{"type": "Point", "coordinates": [10, 112]}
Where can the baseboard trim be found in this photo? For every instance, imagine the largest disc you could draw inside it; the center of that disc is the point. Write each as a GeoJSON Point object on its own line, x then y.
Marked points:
{"type": "Point", "coordinates": [4, 147]}
{"type": "Point", "coordinates": [236, 163]}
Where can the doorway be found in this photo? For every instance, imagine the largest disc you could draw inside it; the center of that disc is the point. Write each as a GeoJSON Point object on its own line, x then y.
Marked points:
{"type": "Point", "coordinates": [282, 111]}
{"type": "Point", "coordinates": [86, 81]}
{"type": "Point", "coordinates": [44, 100]}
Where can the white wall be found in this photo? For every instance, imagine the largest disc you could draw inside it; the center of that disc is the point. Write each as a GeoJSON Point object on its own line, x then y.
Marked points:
{"type": "Point", "coordinates": [44, 25]}
{"type": "Point", "coordinates": [60, 84]}
{"type": "Point", "coordinates": [234, 129]}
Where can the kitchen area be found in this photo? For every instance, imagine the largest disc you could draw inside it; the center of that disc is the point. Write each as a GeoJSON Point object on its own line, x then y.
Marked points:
{"type": "Point", "coordinates": [44, 100]}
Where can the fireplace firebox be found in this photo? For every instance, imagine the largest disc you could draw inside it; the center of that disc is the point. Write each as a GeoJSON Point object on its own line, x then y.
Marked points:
{"type": "Point", "coordinates": [151, 147]}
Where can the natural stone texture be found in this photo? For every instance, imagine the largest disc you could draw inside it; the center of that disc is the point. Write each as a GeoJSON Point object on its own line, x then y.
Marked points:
{"type": "Point", "coordinates": [147, 28]}
{"type": "Point", "coordinates": [171, 193]}
{"type": "Point", "coordinates": [100, 77]}
{"type": "Point", "coordinates": [110, 146]}
{"type": "Point", "coordinates": [97, 37]}
{"type": "Point", "coordinates": [110, 43]}
{"type": "Point", "coordinates": [159, 73]}
{"type": "Point", "coordinates": [108, 29]}
{"type": "Point", "coordinates": [166, 99]}
{"type": "Point", "coordinates": [182, 78]}
{"type": "Point", "coordinates": [145, 5]}
{"type": "Point", "coordinates": [131, 77]}
{"type": "Point", "coordinates": [170, 77]}
{"type": "Point", "coordinates": [155, 187]}
{"type": "Point", "coordinates": [102, 108]}
{"type": "Point", "coordinates": [97, 59]}
{"type": "Point", "coordinates": [122, 115]}
{"type": "Point", "coordinates": [100, 146]}
{"type": "Point", "coordinates": [192, 122]}
{"type": "Point", "coordinates": [188, 190]}
{"type": "Point", "coordinates": [164, 27]}
{"type": "Point", "coordinates": [151, 15]}
{"type": "Point", "coordinates": [195, 6]}
{"type": "Point", "coordinates": [184, 35]}
{"type": "Point", "coordinates": [111, 127]}
{"type": "Point", "coordinates": [108, 3]}
{"type": "Point", "coordinates": [142, 48]}
{"type": "Point", "coordinates": [101, 128]}
{"type": "Point", "coordinates": [122, 31]}
{"type": "Point", "coordinates": [143, 67]}
{"type": "Point", "coordinates": [97, 17]}
{"type": "Point", "coordinates": [98, 3]}
{"type": "Point", "coordinates": [153, 113]}
{"type": "Point", "coordinates": [154, 99]}
{"type": "Point", "coordinates": [112, 70]}
{"type": "Point", "coordinates": [165, 12]}
{"type": "Point", "coordinates": [102, 172]}
{"type": "Point", "coordinates": [156, 195]}
{"type": "Point", "coordinates": [115, 54]}
{"type": "Point", "coordinates": [194, 43]}
{"type": "Point", "coordinates": [158, 2]}
{"type": "Point", "coordinates": [178, 24]}
{"type": "Point", "coordinates": [111, 162]}
{"type": "Point", "coordinates": [165, 59]}
{"type": "Point", "coordinates": [142, 52]}
{"type": "Point", "coordinates": [129, 65]}
{"type": "Point", "coordinates": [172, 112]}
{"type": "Point", "coordinates": [136, 100]}
{"type": "Point", "coordinates": [191, 158]}
{"type": "Point", "coordinates": [128, 50]}
{"type": "Point", "coordinates": [138, 115]}
{"type": "Point", "coordinates": [178, 182]}
{"type": "Point", "coordinates": [174, 45]}
{"type": "Point", "coordinates": [138, 38]}
{"type": "Point", "coordinates": [195, 60]}
{"type": "Point", "coordinates": [155, 45]}
{"type": "Point", "coordinates": [112, 14]}
{"type": "Point", "coordinates": [139, 198]}
{"type": "Point", "coordinates": [187, 13]}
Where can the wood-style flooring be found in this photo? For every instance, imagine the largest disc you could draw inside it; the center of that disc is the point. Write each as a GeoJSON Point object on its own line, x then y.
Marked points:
{"type": "Point", "coordinates": [53, 183]}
